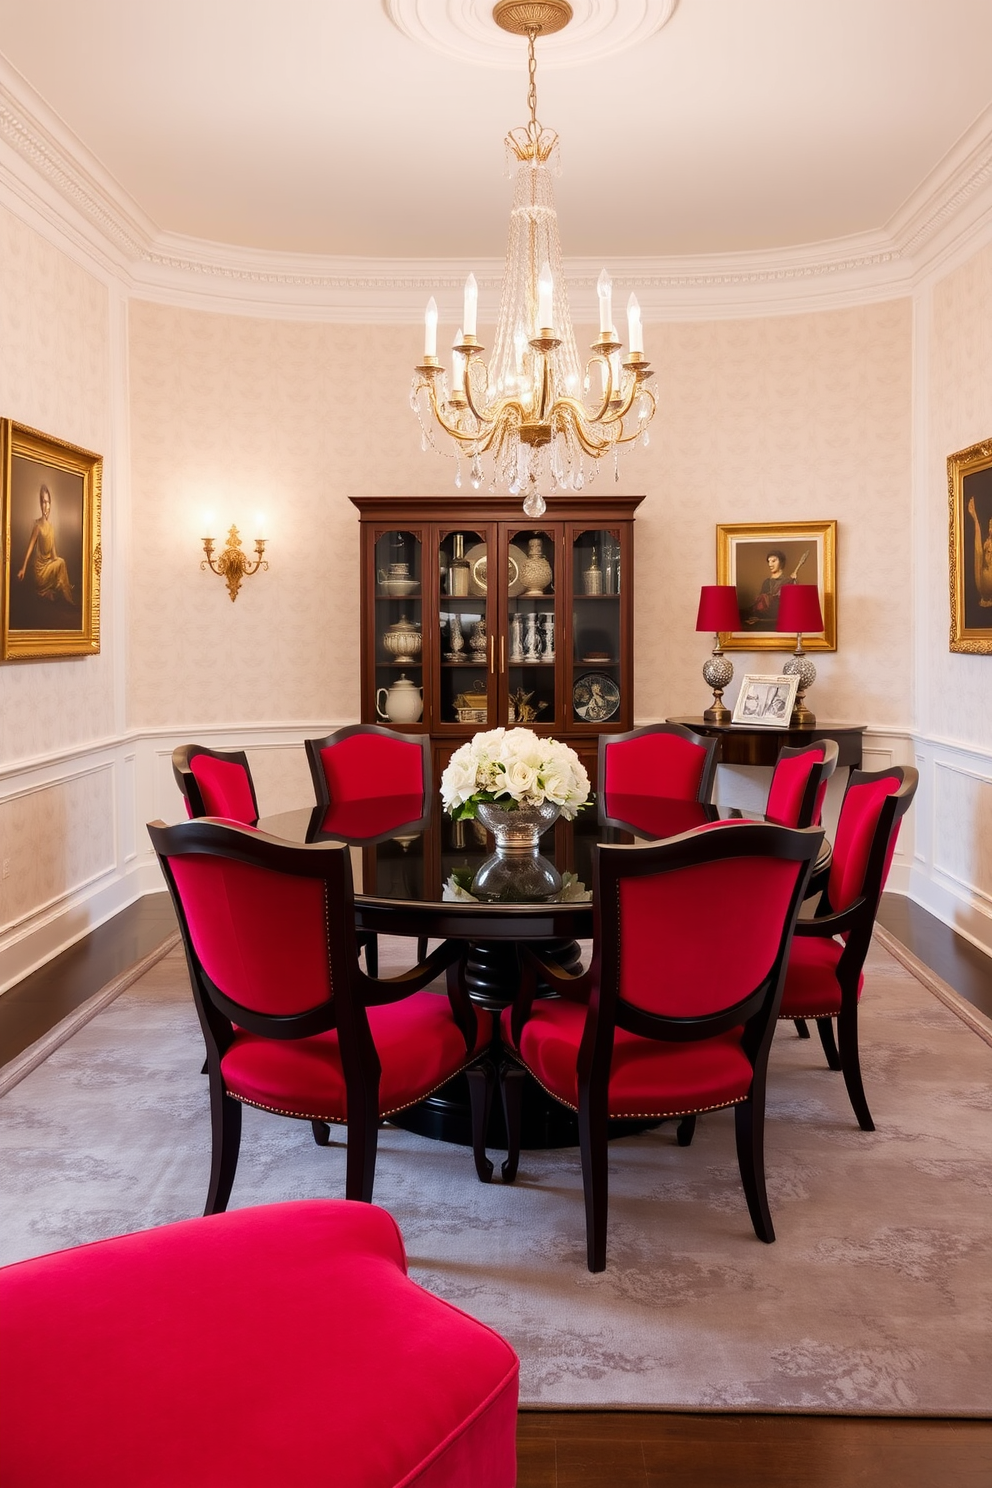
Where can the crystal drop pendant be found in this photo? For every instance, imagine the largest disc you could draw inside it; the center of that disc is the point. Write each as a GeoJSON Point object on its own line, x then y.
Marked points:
{"type": "Point", "coordinates": [535, 504]}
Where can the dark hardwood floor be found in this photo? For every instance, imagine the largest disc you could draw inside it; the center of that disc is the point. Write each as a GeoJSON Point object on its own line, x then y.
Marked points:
{"type": "Point", "coordinates": [56, 989]}
{"type": "Point", "coordinates": [632, 1449]}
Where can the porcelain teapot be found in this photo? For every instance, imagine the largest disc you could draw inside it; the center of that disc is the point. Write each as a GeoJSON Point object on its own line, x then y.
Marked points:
{"type": "Point", "coordinates": [404, 702]}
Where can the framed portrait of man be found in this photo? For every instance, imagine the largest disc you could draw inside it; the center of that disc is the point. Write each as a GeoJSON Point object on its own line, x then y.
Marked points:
{"type": "Point", "coordinates": [759, 559]}
{"type": "Point", "coordinates": [969, 489]}
{"type": "Point", "coordinates": [50, 508]}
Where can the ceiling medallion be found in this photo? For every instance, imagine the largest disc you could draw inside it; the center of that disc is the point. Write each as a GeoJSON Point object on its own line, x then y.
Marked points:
{"type": "Point", "coordinates": [463, 30]}
{"type": "Point", "coordinates": [534, 415]}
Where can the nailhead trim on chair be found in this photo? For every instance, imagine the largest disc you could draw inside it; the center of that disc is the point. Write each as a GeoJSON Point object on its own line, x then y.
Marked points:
{"type": "Point", "coordinates": [629, 1115]}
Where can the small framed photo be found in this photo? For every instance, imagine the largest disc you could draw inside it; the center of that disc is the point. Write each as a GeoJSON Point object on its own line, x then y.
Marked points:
{"type": "Point", "coordinates": [765, 701]}
{"type": "Point", "coordinates": [969, 490]}
{"type": "Point", "coordinates": [759, 558]}
{"type": "Point", "coordinates": [50, 511]}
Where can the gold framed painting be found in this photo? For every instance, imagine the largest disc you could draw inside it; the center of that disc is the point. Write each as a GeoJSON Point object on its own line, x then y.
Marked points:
{"type": "Point", "coordinates": [969, 490]}
{"type": "Point", "coordinates": [759, 559]}
{"type": "Point", "coordinates": [50, 511]}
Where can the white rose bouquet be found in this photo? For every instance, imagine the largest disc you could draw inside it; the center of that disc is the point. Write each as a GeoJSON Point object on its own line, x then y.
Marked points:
{"type": "Point", "coordinates": [515, 769]}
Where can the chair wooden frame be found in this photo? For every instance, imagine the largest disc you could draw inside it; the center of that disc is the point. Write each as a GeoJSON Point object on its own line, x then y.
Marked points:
{"type": "Point", "coordinates": [599, 987]}
{"type": "Point", "coordinates": [855, 924]}
{"type": "Point", "coordinates": [709, 744]}
{"type": "Point", "coordinates": [345, 1011]}
{"type": "Point", "coordinates": [187, 782]}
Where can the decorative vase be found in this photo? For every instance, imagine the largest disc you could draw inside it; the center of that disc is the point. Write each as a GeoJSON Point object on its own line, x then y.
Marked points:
{"type": "Point", "coordinates": [403, 641]}
{"type": "Point", "coordinates": [592, 579]}
{"type": "Point", "coordinates": [535, 569]}
{"type": "Point", "coordinates": [516, 873]}
{"type": "Point", "coordinates": [478, 641]}
{"type": "Point", "coordinates": [516, 636]}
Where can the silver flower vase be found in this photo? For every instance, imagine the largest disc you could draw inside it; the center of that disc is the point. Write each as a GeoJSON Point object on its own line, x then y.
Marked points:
{"type": "Point", "coordinates": [516, 873]}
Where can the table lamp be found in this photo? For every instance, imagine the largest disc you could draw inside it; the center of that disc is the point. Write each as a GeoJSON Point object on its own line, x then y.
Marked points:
{"type": "Point", "coordinates": [799, 610]}
{"type": "Point", "coordinates": [718, 611]}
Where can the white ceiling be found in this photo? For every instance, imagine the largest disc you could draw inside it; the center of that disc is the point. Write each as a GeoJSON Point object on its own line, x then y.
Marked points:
{"type": "Point", "coordinates": [316, 126]}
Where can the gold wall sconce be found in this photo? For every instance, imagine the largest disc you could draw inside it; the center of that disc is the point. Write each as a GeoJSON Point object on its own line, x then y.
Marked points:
{"type": "Point", "coordinates": [233, 565]}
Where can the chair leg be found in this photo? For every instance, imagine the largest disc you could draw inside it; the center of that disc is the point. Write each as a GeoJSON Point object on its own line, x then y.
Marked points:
{"type": "Point", "coordinates": [321, 1132]}
{"type": "Point", "coordinates": [850, 1063]}
{"type": "Point", "coordinates": [749, 1121]}
{"type": "Point", "coordinates": [363, 1141]}
{"type": "Point", "coordinates": [595, 1180]}
{"type": "Point", "coordinates": [825, 1028]}
{"type": "Point", "coordinates": [801, 1027]}
{"type": "Point", "coordinates": [511, 1083]}
{"type": "Point", "coordinates": [481, 1078]}
{"type": "Point", "coordinates": [225, 1122]}
{"type": "Point", "coordinates": [422, 948]}
{"type": "Point", "coordinates": [686, 1130]}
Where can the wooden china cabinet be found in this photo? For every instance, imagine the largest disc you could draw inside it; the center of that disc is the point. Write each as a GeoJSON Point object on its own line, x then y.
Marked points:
{"type": "Point", "coordinates": [475, 615]}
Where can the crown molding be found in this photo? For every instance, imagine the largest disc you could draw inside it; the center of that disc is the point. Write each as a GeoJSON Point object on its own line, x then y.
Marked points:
{"type": "Point", "coordinates": [70, 194]}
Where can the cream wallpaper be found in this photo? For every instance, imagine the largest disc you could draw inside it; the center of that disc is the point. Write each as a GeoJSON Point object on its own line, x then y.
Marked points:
{"type": "Point", "coordinates": [238, 416]}
{"type": "Point", "coordinates": [54, 376]}
{"type": "Point", "coordinates": [960, 400]}
{"type": "Point", "coordinates": [798, 417]}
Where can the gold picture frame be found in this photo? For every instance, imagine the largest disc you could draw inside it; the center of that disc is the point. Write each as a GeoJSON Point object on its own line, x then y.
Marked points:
{"type": "Point", "coordinates": [744, 559]}
{"type": "Point", "coordinates": [969, 493]}
{"type": "Point", "coordinates": [50, 494]}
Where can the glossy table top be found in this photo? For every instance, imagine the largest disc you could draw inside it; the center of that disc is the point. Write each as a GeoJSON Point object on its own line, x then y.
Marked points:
{"type": "Point", "coordinates": [402, 865]}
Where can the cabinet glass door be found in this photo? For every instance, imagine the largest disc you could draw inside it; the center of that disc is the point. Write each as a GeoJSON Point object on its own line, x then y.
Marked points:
{"type": "Point", "coordinates": [399, 674]}
{"type": "Point", "coordinates": [531, 641]}
{"type": "Point", "coordinates": [596, 627]}
{"type": "Point", "coordinates": [466, 693]}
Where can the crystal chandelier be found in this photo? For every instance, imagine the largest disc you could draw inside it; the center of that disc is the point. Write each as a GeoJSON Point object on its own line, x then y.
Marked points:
{"type": "Point", "coordinates": [535, 416]}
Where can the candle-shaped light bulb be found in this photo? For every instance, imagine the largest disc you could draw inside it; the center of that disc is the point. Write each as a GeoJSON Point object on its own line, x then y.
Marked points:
{"type": "Point", "coordinates": [604, 288]}
{"type": "Point", "coordinates": [471, 305]}
{"type": "Point", "coordinates": [545, 298]}
{"type": "Point", "coordinates": [260, 526]}
{"type": "Point", "coordinates": [634, 327]}
{"type": "Point", "coordinates": [616, 373]}
{"type": "Point", "coordinates": [457, 365]}
{"type": "Point", "coordinates": [430, 328]}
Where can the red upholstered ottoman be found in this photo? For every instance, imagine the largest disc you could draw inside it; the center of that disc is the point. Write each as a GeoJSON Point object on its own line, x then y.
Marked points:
{"type": "Point", "coordinates": [277, 1347]}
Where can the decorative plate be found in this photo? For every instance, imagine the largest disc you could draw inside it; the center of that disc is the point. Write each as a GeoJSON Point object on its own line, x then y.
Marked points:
{"type": "Point", "coordinates": [477, 570]}
{"type": "Point", "coordinates": [595, 697]}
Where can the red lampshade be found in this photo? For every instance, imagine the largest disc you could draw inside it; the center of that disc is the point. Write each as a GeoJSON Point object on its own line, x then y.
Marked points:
{"type": "Point", "coordinates": [718, 609]}
{"type": "Point", "coordinates": [799, 609]}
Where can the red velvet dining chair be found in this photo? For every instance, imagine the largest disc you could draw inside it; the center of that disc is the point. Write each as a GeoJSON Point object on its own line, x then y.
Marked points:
{"type": "Point", "coordinates": [658, 1026]}
{"type": "Point", "coordinates": [663, 760]}
{"type": "Point", "coordinates": [825, 973]}
{"type": "Point", "coordinates": [215, 782]}
{"type": "Point", "coordinates": [291, 1023]}
{"type": "Point", "coordinates": [799, 784]}
{"type": "Point", "coordinates": [370, 779]}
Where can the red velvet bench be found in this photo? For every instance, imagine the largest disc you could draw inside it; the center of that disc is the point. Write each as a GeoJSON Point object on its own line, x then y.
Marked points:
{"type": "Point", "coordinates": [277, 1347]}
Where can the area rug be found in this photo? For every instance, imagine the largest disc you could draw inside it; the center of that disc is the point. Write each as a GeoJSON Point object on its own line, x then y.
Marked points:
{"type": "Point", "coordinates": [875, 1299]}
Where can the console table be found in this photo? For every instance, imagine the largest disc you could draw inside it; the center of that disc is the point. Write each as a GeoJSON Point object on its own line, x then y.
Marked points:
{"type": "Point", "coordinates": [742, 744]}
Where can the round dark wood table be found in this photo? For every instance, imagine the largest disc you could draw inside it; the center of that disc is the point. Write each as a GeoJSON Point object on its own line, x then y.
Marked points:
{"type": "Point", "coordinates": [410, 880]}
